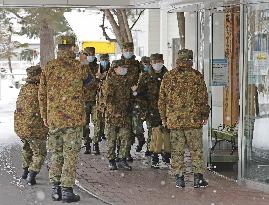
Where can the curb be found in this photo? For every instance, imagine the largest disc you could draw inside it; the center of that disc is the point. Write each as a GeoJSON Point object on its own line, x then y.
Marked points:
{"type": "Point", "coordinates": [90, 193]}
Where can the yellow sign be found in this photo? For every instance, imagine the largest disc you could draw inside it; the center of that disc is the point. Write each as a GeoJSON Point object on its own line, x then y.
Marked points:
{"type": "Point", "coordinates": [261, 56]}
{"type": "Point", "coordinates": [101, 47]}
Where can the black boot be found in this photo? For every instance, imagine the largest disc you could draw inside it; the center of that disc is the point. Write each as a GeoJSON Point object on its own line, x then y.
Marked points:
{"type": "Point", "coordinates": [140, 146]}
{"type": "Point", "coordinates": [129, 158]}
{"type": "Point", "coordinates": [87, 148]}
{"type": "Point", "coordinates": [25, 173]}
{"type": "Point", "coordinates": [124, 165]}
{"type": "Point", "coordinates": [199, 181]}
{"type": "Point", "coordinates": [148, 153]}
{"type": "Point", "coordinates": [166, 157]}
{"type": "Point", "coordinates": [96, 149]}
{"type": "Point", "coordinates": [112, 165]}
{"type": "Point", "coordinates": [31, 178]}
{"type": "Point", "coordinates": [68, 196]}
{"type": "Point", "coordinates": [155, 161]}
{"type": "Point", "coordinates": [180, 183]}
{"type": "Point", "coordinates": [56, 194]}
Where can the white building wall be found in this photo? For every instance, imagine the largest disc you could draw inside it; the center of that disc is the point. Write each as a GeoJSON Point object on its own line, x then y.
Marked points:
{"type": "Point", "coordinates": [191, 36]}
{"type": "Point", "coordinates": [147, 32]}
{"type": "Point", "coordinates": [141, 34]}
{"type": "Point", "coordinates": [172, 32]}
{"type": "Point", "coordinates": [154, 31]}
{"type": "Point", "coordinates": [164, 35]}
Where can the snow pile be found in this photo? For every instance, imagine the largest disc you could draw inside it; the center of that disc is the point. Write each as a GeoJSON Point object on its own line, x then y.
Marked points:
{"type": "Point", "coordinates": [7, 106]}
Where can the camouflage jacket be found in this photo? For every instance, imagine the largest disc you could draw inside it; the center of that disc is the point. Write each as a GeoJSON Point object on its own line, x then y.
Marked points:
{"type": "Point", "coordinates": [27, 119]}
{"type": "Point", "coordinates": [61, 95]}
{"type": "Point", "coordinates": [91, 90]}
{"type": "Point", "coordinates": [134, 69]}
{"type": "Point", "coordinates": [183, 100]}
{"type": "Point", "coordinates": [117, 98]}
{"type": "Point", "coordinates": [148, 95]}
{"type": "Point", "coordinates": [100, 103]}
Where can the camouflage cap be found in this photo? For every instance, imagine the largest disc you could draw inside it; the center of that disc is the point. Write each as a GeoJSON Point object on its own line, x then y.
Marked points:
{"type": "Point", "coordinates": [33, 70]}
{"type": "Point", "coordinates": [156, 56]}
{"type": "Point", "coordinates": [66, 40]}
{"type": "Point", "coordinates": [185, 54]}
{"type": "Point", "coordinates": [145, 59]}
{"type": "Point", "coordinates": [104, 57]}
{"type": "Point", "coordinates": [127, 45]}
{"type": "Point", "coordinates": [117, 63]}
{"type": "Point", "coordinates": [89, 50]}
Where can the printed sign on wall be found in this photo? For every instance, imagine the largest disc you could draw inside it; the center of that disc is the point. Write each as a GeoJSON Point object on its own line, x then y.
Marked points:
{"type": "Point", "coordinates": [220, 72]}
{"type": "Point", "coordinates": [261, 63]}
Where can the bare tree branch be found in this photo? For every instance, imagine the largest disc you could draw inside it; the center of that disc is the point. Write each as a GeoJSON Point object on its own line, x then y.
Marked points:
{"type": "Point", "coordinates": [126, 25]}
{"type": "Point", "coordinates": [104, 30]}
{"type": "Point", "coordinates": [122, 25]}
{"type": "Point", "coordinates": [137, 19]}
{"type": "Point", "coordinates": [114, 25]}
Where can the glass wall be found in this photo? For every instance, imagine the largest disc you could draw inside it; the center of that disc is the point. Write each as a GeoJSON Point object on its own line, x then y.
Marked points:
{"type": "Point", "coordinates": [182, 33]}
{"type": "Point", "coordinates": [255, 151]}
{"type": "Point", "coordinates": [224, 86]}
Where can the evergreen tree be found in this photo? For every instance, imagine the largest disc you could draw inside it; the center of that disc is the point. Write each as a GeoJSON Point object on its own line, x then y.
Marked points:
{"type": "Point", "coordinates": [45, 23]}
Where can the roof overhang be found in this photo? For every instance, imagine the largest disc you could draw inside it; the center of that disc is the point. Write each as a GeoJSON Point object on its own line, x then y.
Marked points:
{"type": "Point", "coordinates": [82, 3]}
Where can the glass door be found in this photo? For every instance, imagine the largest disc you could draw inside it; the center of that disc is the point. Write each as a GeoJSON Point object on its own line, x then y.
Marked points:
{"type": "Point", "coordinates": [255, 142]}
{"type": "Point", "coordinates": [221, 70]}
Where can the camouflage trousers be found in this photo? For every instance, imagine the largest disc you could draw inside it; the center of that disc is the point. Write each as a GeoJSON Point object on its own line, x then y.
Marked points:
{"type": "Point", "coordinates": [99, 125]}
{"type": "Point", "coordinates": [89, 109]}
{"type": "Point", "coordinates": [137, 131]}
{"type": "Point", "coordinates": [117, 136]}
{"type": "Point", "coordinates": [64, 144]}
{"type": "Point", "coordinates": [34, 153]}
{"type": "Point", "coordinates": [193, 139]}
{"type": "Point", "coordinates": [149, 127]}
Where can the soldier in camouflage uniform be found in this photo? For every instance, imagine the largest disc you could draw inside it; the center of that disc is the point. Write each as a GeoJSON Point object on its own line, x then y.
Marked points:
{"type": "Point", "coordinates": [134, 70]}
{"type": "Point", "coordinates": [99, 114]}
{"type": "Point", "coordinates": [90, 96]}
{"type": "Point", "coordinates": [139, 109]}
{"type": "Point", "coordinates": [117, 98]}
{"type": "Point", "coordinates": [145, 61]}
{"type": "Point", "coordinates": [148, 92]}
{"type": "Point", "coordinates": [184, 109]}
{"type": "Point", "coordinates": [29, 126]}
{"type": "Point", "coordinates": [61, 100]}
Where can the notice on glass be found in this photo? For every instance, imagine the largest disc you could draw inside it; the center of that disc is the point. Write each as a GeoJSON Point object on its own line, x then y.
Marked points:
{"type": "Point", "coordinates": [261, 63]}
{"type": "Point", "coordinates": [220, 72]}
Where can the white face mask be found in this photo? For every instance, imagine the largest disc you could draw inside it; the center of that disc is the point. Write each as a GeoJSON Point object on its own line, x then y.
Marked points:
{"type": "Point", "coordinates": [157, 66]}
{"type": "Point", "coordinates": [128, 55]}
{"type": "Point", "coordinates": [122, 71]}
{"type": "Point", "coordinates": [90, 58]}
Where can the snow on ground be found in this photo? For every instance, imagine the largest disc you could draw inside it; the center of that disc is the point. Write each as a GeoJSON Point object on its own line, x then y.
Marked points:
{"type": "Point", "coordinates": [261, 132]}
{"type": "Point", "coordinates": [7, 107]}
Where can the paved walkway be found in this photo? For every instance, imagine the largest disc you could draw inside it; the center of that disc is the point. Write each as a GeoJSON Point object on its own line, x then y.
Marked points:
{"type": "Point", "coordinates": [146, 186]}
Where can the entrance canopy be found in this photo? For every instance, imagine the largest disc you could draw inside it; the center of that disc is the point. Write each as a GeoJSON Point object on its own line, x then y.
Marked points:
{"type": "Point", "coordinates": [81, 3]}
{"type": "Point", "coordinates": [153, 4]}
